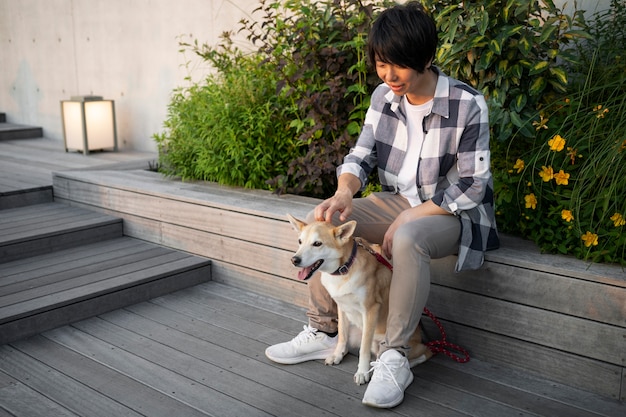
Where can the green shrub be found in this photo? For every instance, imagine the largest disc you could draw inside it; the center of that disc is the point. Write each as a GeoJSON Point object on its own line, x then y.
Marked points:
{"type": "Point", "coordinates": [230, 128]}
{"type": "Point", "coordinates": [282, 117]}
{"type": "Point", "coordinates": [567, 192]}
{"type": "Point", "coordinates": [510, 50]}
{"type": "Point", "coordinates": [318, 50]}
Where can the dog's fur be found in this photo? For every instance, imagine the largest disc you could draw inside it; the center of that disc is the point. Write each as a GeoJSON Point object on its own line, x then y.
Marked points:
{"type": "Point", "coordinates": [361, 294]}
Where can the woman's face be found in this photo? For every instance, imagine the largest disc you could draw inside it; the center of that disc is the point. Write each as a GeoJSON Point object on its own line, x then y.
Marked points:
{"type": "Point", "coordinates": [417, 87]}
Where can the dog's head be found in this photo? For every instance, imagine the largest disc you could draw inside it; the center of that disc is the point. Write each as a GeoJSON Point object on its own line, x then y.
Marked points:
{"type": "Point", "coordinates": [321, 246]}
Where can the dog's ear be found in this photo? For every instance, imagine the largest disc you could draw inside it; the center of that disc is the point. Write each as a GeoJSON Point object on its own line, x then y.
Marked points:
{"type": "Point", "coordinates": [346, 230]}
{"type": "Point", "coordinates": [297, 224]}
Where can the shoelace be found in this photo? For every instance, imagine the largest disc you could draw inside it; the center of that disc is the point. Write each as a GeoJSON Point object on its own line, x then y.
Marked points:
{"type": "Point", "coordinates": [384, 372]}
{"type": "Point", "coordinates": [309, 333]}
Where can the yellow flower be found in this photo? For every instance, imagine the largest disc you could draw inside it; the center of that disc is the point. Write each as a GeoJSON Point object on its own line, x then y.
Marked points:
{"type": "Point", "coordinates": [557, 143]}
{"type": "Point", "coordinates": [546, 173]}
{"type": "Point", "coordinates": [590, 239]}
{"type": "Point", "coordinates": [519, 165]}
{"type": "Point", "coordinates": [561, 178]}
{"type": "Point", "coordinates": [599, 112]}
{"type": "Point", "coordinates": [567, 215]}
{"type": "Point", "coordinates": [531, 201]}
{"type": "Point", "coordinates": [541, 124]}
{"type": "Point", "coordinates": [573, 153]}
{"type": "Point", "coordinates": [618, 220]}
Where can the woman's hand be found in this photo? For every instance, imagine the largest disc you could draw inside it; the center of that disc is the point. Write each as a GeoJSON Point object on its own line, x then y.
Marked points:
{"type": "Point", "coordinates": [341, 202]}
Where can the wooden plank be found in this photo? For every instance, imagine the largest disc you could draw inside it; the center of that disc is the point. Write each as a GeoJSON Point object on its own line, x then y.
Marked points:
{"type": "Point", "coordinates": [556, 365]}
{"type": "Point", "coordinates": [572, 296]}
{"type": "Point", "coordinates": [11, 271]}
{"type": "Point", "coordinates": [254, 202]}
{"type": "Point", "coordinates": [523, 253]}
{"type": "Point", "coordinates": [109, 382]}
{"type": "Point", "coordinates": [271, 230]}
{"type": "Point", "coordinates": [546, 328]}
{"type": "Point", "coordinates": [76, 273]}
{"type": "Point", "coordinates": [26, 197]}
{"type": "Point", "coordinates": [244, 321]}
{"type": "Point", "coordinates": [224, 348]}
{"type": "Point", "coordinates": [101, 302]}
{"type": "Point", "coordinates": [288, 290]}
{"type": "Point", "coordinates": [525, 381]}
{"type": "Point", "coordinates": [60, 241]}
{"type": "Point", "coordinates": [217, 369]}
{"type": "Point", "coordinates": [53, 226]}
{"type": "Point", "coordinates": [31, 301]}
{"type": "Point", "coordinates": [36, 383]}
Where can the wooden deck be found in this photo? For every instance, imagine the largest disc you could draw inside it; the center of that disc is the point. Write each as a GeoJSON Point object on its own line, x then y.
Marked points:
{"type": "Point", "coordinates": [28, 163]}
{"type": "Point", "coordinates": [199, 352]}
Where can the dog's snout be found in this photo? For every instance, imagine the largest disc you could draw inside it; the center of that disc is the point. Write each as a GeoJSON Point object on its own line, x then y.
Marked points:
{"type": "Point", "coordinates": [296, 260]}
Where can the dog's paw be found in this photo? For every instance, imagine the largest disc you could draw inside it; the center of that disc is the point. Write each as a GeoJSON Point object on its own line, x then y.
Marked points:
{"type": "Point", "coordinates": [362, 377]}
{"type": "Point", "coordinates": [334, 359]}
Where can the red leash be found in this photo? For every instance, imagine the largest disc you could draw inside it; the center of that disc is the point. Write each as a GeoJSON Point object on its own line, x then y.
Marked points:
{"type": "Point", "coordinates": [436, 346]}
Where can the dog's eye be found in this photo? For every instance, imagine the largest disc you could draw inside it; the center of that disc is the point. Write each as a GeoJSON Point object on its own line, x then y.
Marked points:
{"type": "Point", "coordinates": [318, 243]}
{"type": "Point", "coordinates": [299, 241]}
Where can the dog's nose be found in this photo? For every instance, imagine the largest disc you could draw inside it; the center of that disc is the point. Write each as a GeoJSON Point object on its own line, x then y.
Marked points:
{"type": "Point", "coordinates": [296, 260]}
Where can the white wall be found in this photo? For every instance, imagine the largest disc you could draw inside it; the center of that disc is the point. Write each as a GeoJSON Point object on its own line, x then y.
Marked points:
{"type": "Point", "coordinates": [125, 50]}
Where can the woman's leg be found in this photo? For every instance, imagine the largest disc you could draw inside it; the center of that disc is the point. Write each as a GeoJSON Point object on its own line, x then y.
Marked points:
{"type": "Point", "coordinates": [414, 245]}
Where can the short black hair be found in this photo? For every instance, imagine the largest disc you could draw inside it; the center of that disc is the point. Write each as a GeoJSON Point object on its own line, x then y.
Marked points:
{"type": "Point", "coordinates": [403, 35]}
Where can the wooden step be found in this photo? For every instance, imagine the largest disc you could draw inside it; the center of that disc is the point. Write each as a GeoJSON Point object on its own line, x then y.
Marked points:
{"type": "Point", "coordinates": [42, 228]}
{"type": "Point", "coordinates": [26, 197]}
{"type": "Point", "coordinates": [46, 291]}
{"type": "Point", "coordinates": [9, 131]}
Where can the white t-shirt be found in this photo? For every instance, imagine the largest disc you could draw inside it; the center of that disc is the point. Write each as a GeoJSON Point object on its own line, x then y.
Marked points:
{"type": "Point", "coordinates": [408, 172]}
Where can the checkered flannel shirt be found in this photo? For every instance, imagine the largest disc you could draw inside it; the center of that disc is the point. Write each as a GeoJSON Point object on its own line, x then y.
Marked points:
{"type": "Point", "coordinates": [453, 170]}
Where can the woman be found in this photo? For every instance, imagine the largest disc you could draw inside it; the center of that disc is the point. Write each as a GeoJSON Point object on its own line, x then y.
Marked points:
{"type": "Point", "coordinates": [428, 136]}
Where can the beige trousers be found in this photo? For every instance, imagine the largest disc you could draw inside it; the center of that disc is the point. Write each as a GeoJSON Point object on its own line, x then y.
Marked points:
{"type": "Point", "coordinates": [414, 245]}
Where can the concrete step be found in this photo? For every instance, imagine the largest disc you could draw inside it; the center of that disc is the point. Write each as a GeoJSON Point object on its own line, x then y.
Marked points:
{"type": "Point", "coordinates": [44, 228]}
{"type": "Point", "coordinates": [42, 292]}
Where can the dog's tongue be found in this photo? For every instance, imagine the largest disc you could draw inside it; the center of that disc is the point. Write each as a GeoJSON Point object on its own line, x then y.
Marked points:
{"type": "Point", "coordinates": [304, 273]}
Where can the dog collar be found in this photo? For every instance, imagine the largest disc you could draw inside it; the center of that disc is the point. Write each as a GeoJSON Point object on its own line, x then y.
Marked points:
{"type": "Point", "coordinates": [343, 269]}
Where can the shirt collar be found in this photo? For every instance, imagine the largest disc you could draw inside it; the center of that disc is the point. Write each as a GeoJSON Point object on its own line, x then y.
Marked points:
{"type": "Point", "coordinates": [441, 103]}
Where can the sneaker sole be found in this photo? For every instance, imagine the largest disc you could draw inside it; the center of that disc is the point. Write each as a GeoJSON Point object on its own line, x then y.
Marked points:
{"type": "Point", "coordinates": [303, 358]}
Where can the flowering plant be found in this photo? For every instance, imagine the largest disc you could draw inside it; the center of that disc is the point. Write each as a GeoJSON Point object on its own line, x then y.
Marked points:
{"type": "Point", "coordinates": [568, 192]}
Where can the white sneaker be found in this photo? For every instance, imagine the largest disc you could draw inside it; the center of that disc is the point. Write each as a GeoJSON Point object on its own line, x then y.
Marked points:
{"type": "Point", "coordinates": [309, 345]}
{"type": "Point", "coordinates": [391, 377]}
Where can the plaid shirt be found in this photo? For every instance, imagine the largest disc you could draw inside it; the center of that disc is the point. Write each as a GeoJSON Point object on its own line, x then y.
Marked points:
{"type": "Point", "coordinates": [454, 166]}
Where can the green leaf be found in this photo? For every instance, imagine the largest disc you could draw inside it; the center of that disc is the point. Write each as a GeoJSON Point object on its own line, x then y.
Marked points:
{"type": "Point", "coordinates": [524, 46]}
{"type": "Point", "coordinates": [537, 86]}
{"type": "Point", "coordinates": [547, 32]}
{"type": "Point", "coordinates": [539, 67]}
{"type": "Point", "coordinates": [519, 103]}
{"type": "Point", "coordinates": [559, 74]}
{"type": "Point", "coordinates": [495, 46]}
{"type": "Point", "coordinates": [515, 119]}
{"type": "Point", "coordinates": [483, 24]}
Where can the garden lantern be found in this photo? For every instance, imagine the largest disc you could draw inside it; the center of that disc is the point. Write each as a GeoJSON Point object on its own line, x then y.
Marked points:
{"type": "Point", "coordinates": [89, 124]}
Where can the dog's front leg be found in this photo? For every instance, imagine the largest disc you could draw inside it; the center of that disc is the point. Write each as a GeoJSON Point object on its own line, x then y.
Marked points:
{"type": "Point", "coordinates": [343, 328]}
{"type": "Point", "coordinates": [370, 320]}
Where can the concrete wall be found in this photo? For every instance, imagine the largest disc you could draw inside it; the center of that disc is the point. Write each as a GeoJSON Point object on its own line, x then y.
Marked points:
{"type": "Point", "coordinates": [125, 50]}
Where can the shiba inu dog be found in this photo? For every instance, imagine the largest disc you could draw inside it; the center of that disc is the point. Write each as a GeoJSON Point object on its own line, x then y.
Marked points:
{"type": "Point", "coordinates": [359, 284]}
